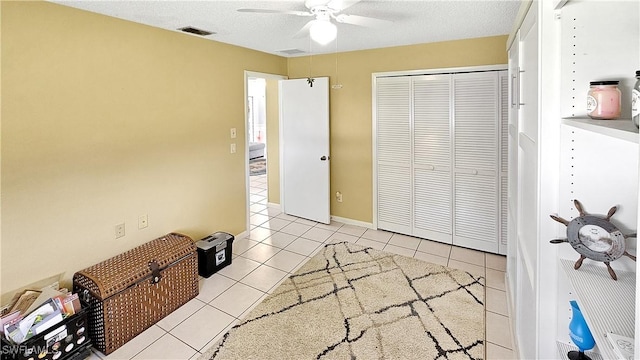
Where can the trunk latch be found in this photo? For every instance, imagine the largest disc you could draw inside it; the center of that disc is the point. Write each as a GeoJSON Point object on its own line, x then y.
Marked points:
{"type": "Point", "coordinates": [155, 272]}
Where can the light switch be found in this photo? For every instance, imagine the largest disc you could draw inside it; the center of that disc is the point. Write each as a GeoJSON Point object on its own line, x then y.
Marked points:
{"type": "Point", "coordinates": [233, 133]}
{"type": "Point", "coordinates": [233, 148]}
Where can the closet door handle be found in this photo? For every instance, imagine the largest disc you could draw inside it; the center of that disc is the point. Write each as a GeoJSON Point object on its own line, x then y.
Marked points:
{"type": "Point", "coordinates": [466, 171]}
{"type": "Point", "coordinates": [513, 91]}
{"type": "Point", "coordinates": [518, 103]}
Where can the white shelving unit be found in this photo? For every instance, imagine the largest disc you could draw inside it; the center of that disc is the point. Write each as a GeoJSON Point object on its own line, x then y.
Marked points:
{"type": "Point", "coordinates": [606, 304]}
{"type": "Point", "coordinates": [622, 129]}
{"type": "Point", "coordinates": [599, 162]}
{"type": "Point", "coordinates": [564, 348]}
{"type": "Point", "coordinates": [558, 48]}
{"type": "Point", "coordinates": [599, 167]}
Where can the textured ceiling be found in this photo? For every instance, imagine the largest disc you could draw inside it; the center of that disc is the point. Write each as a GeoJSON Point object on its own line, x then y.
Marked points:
{"type": "Point", "coordinates": [413, 22]}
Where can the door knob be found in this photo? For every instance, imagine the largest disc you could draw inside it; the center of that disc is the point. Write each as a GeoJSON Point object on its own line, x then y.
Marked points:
{"type": "Point", "coordinates": [324, 158]}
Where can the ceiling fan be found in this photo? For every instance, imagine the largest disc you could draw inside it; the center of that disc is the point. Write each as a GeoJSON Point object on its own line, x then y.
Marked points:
{"type": "Point", "coordinates": [322, 30]}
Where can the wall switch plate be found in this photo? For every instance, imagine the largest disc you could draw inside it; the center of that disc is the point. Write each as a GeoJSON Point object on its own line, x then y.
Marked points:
{"type": "Point", "coordinates": [143, 221]}
{"type": "Point", "coordinates": [233, 148]}
{"type": "Point", "coordinates": [119, 230]}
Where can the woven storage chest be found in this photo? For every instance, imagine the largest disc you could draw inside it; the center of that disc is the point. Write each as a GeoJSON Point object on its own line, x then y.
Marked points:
{"type": "Point", "coordinates": [132, 291]}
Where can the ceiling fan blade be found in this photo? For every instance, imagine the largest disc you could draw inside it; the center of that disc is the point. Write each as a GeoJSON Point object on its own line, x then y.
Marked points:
{"type": "Point", "coordinates": [362, 21]}
{"type": "Point", "coordinates": [304, 32]}
{"type": "Point", "coordinates": [270, 11]}
{"type": "Point", "coordinates": [340, 5]}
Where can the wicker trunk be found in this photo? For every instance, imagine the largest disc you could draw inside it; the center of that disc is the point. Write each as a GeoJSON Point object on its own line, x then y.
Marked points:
{"type": "Point", "coordinates": [132, 291]}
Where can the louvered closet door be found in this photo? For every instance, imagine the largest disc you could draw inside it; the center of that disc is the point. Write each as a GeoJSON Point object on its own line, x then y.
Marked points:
{"type": "Point", "coordinates": [393, 153]}
{"type": "Point", "coordinates": [432, 157]}
{"type": "Point", "coordinates": [504, 160]}
{"type": "Point", "coordinates": [476, 159]}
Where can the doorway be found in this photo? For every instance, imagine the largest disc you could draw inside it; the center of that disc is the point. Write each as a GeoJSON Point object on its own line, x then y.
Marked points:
{"type": "Point", "coordinates": [257, 136]}
{"type": "Point", "coordinates": [262, 145]}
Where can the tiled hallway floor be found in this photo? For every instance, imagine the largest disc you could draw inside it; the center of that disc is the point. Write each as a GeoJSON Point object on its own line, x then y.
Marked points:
{"type": "Point", "coordinates": [279, 244]}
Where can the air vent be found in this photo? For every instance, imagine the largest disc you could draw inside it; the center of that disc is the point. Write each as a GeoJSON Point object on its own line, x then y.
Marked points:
{"type": "Point", "coordinates": [291, 51]}
{"type": "Point", "coordinates": [192, 30]}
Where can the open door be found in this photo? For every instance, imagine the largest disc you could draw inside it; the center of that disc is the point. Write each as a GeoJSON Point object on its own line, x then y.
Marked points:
{"type": "Point", "coordinates": [304, 148]}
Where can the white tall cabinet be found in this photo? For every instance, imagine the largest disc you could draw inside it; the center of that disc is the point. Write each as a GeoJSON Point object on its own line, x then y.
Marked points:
{"type": "Point", "coordinates": [441, 156]}
{"type": "Point", "coordinates": [558, 154]}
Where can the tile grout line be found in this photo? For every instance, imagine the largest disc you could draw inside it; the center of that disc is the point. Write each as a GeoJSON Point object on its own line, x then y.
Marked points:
{"type": "Point", "coordinates": [262, 202]}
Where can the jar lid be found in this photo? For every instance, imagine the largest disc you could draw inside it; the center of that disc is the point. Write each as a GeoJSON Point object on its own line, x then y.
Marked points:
{"type": "Point", "coordinates": [637, 72]}
{"type": "Point", "coordinates": [610, 82]}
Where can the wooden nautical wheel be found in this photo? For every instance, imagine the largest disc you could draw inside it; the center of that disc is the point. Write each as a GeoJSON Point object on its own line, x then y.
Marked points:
{"type": "Point", "coordinates": [595, 238]}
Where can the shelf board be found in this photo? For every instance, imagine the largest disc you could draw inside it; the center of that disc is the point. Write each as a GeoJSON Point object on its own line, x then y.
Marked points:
{"type": "Point", "coordinates": [564, 348]}
{"type": "Point", "coordinates": [622, 128]}
{"type": "Point", "coordinates": [606, 304]}
{"type": "Point", "coordinates": [558, 4]}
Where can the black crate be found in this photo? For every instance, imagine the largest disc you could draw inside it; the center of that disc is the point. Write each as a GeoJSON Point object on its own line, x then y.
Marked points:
{"type": "Point", "coordinates": [67, 340]}
{"type": "Point", "coordinates": [214, 253]}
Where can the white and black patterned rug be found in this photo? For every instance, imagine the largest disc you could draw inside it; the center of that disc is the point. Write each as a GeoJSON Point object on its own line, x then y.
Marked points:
{"type": "Point", "coordinates": [352, 302]}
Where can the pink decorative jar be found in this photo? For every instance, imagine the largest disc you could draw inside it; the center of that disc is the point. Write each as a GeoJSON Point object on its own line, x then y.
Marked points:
{"type": "Point", "coordinates": [604, 100]}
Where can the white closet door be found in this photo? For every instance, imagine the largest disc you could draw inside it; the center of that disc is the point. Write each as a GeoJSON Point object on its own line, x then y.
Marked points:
{"type": "Point", "coordinates": [432, 157]}
{"type": "Point", "coordinates": [393, 154]}
{"type": "Point", "coordinates": [476, 159]}
{"type": "Point", "coordinates": [504, 160]}
{"type": "Point", "coordinates": [476, 121]}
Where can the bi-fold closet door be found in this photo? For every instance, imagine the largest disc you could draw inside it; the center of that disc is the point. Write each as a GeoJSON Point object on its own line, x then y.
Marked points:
{"type": "Point", "coordinates": [440, 164]}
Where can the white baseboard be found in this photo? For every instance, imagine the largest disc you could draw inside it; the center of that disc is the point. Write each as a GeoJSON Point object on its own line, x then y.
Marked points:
{"type": "Point", "coordinates": [242, 235]}
{"type": "Point", "coordinates": [274, 206]}
{"type": "Point", "coordinates": [334, 218]}
{"type": "Point", "coordinates": [352, 222]}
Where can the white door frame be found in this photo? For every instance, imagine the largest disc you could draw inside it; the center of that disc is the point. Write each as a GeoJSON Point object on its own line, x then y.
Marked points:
{"type": "Point", "coordinates": [252, 74]}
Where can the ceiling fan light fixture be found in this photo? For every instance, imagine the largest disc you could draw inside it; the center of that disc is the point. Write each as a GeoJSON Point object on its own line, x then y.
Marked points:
{"type": "Point", "coordinates": [323, 31]}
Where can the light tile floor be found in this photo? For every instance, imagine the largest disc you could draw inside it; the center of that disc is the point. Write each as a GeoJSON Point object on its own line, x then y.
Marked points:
{"type": "Point", "coordinates": [277, 245]}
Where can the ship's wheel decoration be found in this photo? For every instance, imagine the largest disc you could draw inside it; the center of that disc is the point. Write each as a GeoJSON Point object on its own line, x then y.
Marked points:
{"type": "Point", "coordinates": [595, 238]}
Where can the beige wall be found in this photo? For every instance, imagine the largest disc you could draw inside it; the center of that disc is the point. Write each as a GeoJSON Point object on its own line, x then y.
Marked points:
{"type": "Point", "coordinates": [273, 143]}
{"type": "Point", "coordinates": [105, 120]}
{"type": "Point", "coordinates": [350, 113]}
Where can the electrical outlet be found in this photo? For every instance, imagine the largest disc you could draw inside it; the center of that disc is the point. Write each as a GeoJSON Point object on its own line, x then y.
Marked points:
{"type": "Point", "coordinates": [338, 196]}
{"type": "Point", "coordinates": [233, 133]}
{"type": "Point", "coordinates": [119, 230]}
{"type": "Point", "coordinates": [143, 221]}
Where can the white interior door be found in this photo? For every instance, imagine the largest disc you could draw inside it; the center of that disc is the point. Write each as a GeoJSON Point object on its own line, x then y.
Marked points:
{"type": "Point", "coordinates": [393, 154]}
{"type": "Point", "coordinates": [304, 148]}
{"type": "Point", "coordinates": [432, 157]}
{"type": "Point", "coordinates": [476, 159]}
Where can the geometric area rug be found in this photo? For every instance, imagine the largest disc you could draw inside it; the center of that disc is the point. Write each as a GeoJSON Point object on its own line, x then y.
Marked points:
{"type": "Point", "coordinates": [353, 302]}
{"type": "Point", "coordinates": [257, 166]}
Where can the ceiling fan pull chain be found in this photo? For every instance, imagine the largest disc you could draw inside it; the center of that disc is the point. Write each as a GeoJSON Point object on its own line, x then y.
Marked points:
{"type": "Point", "coordinates": [337, 82]}
{"type": "Point", "coordinates": [310, 57]}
